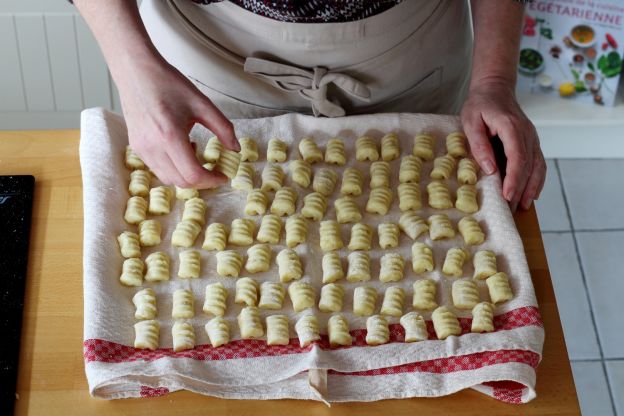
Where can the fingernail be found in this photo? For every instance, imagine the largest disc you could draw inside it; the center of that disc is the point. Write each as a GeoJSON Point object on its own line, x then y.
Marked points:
{"type": "Point", "coordinates": [510, 196]}
{"type": "Point", "coordinates": [488, 167]}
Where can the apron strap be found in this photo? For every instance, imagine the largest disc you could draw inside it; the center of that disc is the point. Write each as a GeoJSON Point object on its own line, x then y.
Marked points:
{"type": "Point", "coordinates": [310, 84]}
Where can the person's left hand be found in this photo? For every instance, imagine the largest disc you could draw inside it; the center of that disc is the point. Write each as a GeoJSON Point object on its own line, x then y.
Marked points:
{"type": "Point", "coordinates": [491, 109]}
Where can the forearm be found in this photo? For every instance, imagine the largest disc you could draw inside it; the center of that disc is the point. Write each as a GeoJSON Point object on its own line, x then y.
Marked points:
{"type": "Point", "coordinates": [497, 28]}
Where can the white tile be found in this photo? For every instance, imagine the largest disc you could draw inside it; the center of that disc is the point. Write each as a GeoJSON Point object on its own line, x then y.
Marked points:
{"type": "Point", "coordinates": [601, 256]}
{"type": "Point", "coordinates": [592, 388]}
{"type": "Point", "coordinates": [615, 373]}
{"type": "Point", "coordinates": [574, 310]}
{"type": "Point", "coordinates": [594, 191]}
{"type": "Point", "coordinates": [551, 209]}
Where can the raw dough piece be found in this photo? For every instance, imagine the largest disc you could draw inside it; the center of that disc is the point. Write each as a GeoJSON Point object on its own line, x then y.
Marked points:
{"type": "Point", "coordinates": [424, 295]}
{"type": "Point", "coordinates": [270, 229]}
{"type": "Point", "coordinates": [330, 238]}
{"type": "Point", "coordinates": [301, 295]}
{"type": "Point", "coordinates": [160, 200]}
{"type": "Point", "coordinates": [186, 193]}
{"type": "Point", "coordinates": [392, 266]}
{"type": "Point", "coordinates": [467, 172]}
{"type": "Point", "coordinates": [246, 292]}
{"type": "Point", "coordinates": [218, 331]}
{"type": "Point", "coordinates": [136, 210]}
{"type": "Point", "coordinates": [183, 304]}
{"type": "Point", "coordinates": [359, 267]}
{"type": "Point", "coordinates": [132, 272]}
{"type": "Point", "coordinates": [454, 262]}
{"type": "Point", "coordinates": [465, 294]}
{"type": "Point", "coordinates": [484, 264]}
{"type": "Point", "coordinates": [440, 227]}
{"type": "Point", "coordinates": [332, 267]}
{"type": "Point", "coordinates": [213, 149]}
{"type": "Point", "coordinates": [249, 323]}
{"type": "Point", "coordinates": [390, 148]}
{"type": "Point", "coordinates": [439, 195]}
{"type": "Point", "coordinates": [388, 235]}
{"type": "Point", "coordinates": [424, 146]}
{"type": "Point", "coordinates": [409, 196]}
{"type": "Point", "coordinates": [366, 149]}
{"type": "Point", "coordinates": [393, 301]}
{"type": "Point", "coordinates": [352, 182]}
{"type": "Point", "coordinates": [445, 323]}
{"type": "Point", "coordinates": [335, 152]}
{"type": "Point", "coordinates": [257, 202]}
{"type": "Point", "coordinates": [272, 178]}
{"type": "Point", "coordinates": [229, 263]}
{"type": "Point", "coordinates": [309, 151]}
{"type": "Point", "coordinates": [289, 265]}
{"type": "Point", "coordinates": [471, 231]}
{"type": "Point", "coordinates": [296, 231]}
{"type": "Point", "coordinates": [190, 261]}
{"type": "Point", "coordinates": [249, 149]}
{"type": "Point", "coordinates": [412, 225]}
{"type": "Point", "coordinates": [347, 210]}
{"type": "Point", "coordinates": [467, 199]}
{"type": "Point", "coordinates": [422, 258]}
{"type": "Point", "coordinates": [129, 244]}
{"type": "Point", "coordinates": [331, 298]}
{"type": "Point", "coordinates": [215, 302]}
{"type": "Point", "coordinates": [443, 167]}
{"type": "Point", "coordinates": [409, 171]}
{"type": "Point", "coordinates": [483, 317]}
{"type": "Point", "coordinates": [132, 160]}
{"type": "Point", "coordinates": [216, 237]}
{"type": "Point", "coordinates": [285, 202]}
{"type": "Point", "coordinates": [228, 163]}
{"type": "Point", "coordinates": [157, 265]}
{"type": "Point", "coordinates": [414, 326]}
{"type": "Point", "coordinates": [379, 175]}
{"type": "Point", "coordinates": [139, 183]}
{"type": "Point", "coordinates": [361, 237]}
{"type": "Point", "coordinates": [301, 172]}
{"type": "Point", "coordinates": [258, 258]}
{"type": "Point", "coordinates": [145, 304]}
{"type": "Point", "coordinates": [307, 330]}
{"type": "Point", "coordinates": [194, 210]}
{"type": "Point", "coordinates": [277, 151]}
{"type": "Point", "coordinates": [277, 330]}
{"type": "Point", "coordinates": [377, 330]}
{"type": "Point", "coordinates": [364, 300]}
{"type": "Point", "coordinates": [314, 206]}
{"type": "Point", "coordinates": [499, 288]}
{"type": "Point", "coordinates": [244, 178]}
{"type": "Point", "coordinates": [325, 181]}
{"type": "Point", "coordinates": [379, 201]}
{"type": "Point", "coordinates": [146, 334]}
{"type": "Point", "coordinates": [185, 234]}
{"type": "Point", "coordinates": [149, 233]}
{"type": "Point", "coordinates": [338, 331]}
{"type": "Point", "coordinates": [271, 295]}
{"type": "Point", "coordinates": [456, 144]}
{"type": "Point", "coordinates": [242, 232]}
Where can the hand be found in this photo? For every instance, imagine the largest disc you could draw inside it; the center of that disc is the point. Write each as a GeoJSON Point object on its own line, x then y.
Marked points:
{"type": "Point", "coordinates": [491, 109]}
{"type": "Point", "coordinates": [161, 106]}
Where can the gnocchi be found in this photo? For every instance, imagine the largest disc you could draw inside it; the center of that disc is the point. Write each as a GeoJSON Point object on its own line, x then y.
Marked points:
{"type": "Point", "coordinates": [443, 167]}
{"type": "Point", "coordinates": [352, 182]}
{"type": "Point", "coordinates": [335, 152]}
{"type": "Point", "coordinates": [183, 304]}
{"type": "Point", "coordinates": [301, 172]}
{"type": "Point", "coordinates": [132, 160]}
{"type": "Point", "coordinates": [379, 201]}
{"type": "Point", "coordinates": [149, 233]}
{"type": "Point", "coordinates": [422, 258]}
{"type": "Point", "coordinates": [270, 230]}
{"type": "Point", "coordinates": [361, 237]}
{"type": "Point", "coordinates": [277, 151]}
{"type": "Point", "coordinates": [145, 304]}
{"type": "Point", "coordinates": [467, 172]}
{"type": "Point", "coordinates": [409, 171]}
{"type": "Point", "coordinates": [257, 202]}
{"type": "Point", "coordinates": [218, 331]}
{"type": "Point", "coordinates": [412, 225]}
{"type": "Point", "coordinates": [296, 231]}
{"type": "Point", "coordinates": [285, 202]}
{"type": "Point", "coordinates": [465, 294]}
{"type": "Point", "coordinates": [215, 237]}
{"type": "Point", "coordinates": [392, 266]}
{"type": "Point", "coordinates": [249, 323]}
{"type": "Point", "coordinates": [309, 151]}
{"type": "Point", "coordinates": [228, 163]}
{"type": "Point", "coordinates": [414, 326]}
{"type": "Point", "coordinates": [439, 195]}
{"type": "Point", "coordinates": [246, 292]}
{"type": "Point", "coordinates": [330, 238]}
{"type": "Point", "coordinates": [377, 330]}
{"type": "Point", "coordinates": [471, 231]}
{"type": "Point", "coordinates": [190, 261]}
{"type": "Point", "coordinates": [359, 267]}
{"type": "Point", "coordinates": [289, 265]}
{"type": "Point", "coordinates": [307, 330]}
{"type": "Point", "coordinates": [379, 175]}
{"type": "Point", "coordinates": [454, 262]}
{"type": "Point", "coordinates": [301, 295]}
{"type": "Point", "coordinates": [393, 302]}
{"type": "Point", "coordinates": [314, 206]}
{"type": "Point", "coordinates": [332, 267]}
{"type": "Point", "coordinates": [482, 317]}
{"type": "Point", "coordinates": [186, 193]}
{"type": "Point", "coordinates": [424, 295]}
{"type": "Point", "coordinates": [185, 234]}
{"type": "Point", "coordinates": [139, 183]}
{"type": "Point", "coordinates": [132, 272]}
{"type": "Point", "coordinates": [272, 178]}
{"type": "Point", "coordinates": [390, 148]}
{"type": "Point", "coordinates": [258, 258]}
{"type": "Point", "coordinates": [364, 300]}
{"type": "Point", "coordinates": [229, 263]}
{"type": "Point", "coordinates": [440, 227]}
{"type": "Point", "coordinates": [424, 146]}
{"type": "Point", "coordinates": [332, 296]}
{"type": "Point", "coordinates": [467, 199]}
{"type": "Point", "coordinates": [388, 235]}
{"type": "Point", "coordinates": [244, 179]}
{"type": "Point", "coordinates": [325, 181]}
{"type": "Point", "coordinates": [338, 331]}
{"type": "Point", "coordinates": [445, 323]}
{"type": "Point", "coordinates": [499, 288]}
{"type": "Point", "coordinates": [366, 149]}
{"type": "Point", "coordinates": [347, 210]}
{"type": "Point", "coordinates": [271, 295]}
{"type": "Point", "coordinates": [409, 197]}
{"type": "Point", "coordinates": [249, 149]}
{"type": "Point", "coordinates": [157, 267]}
{"type": "Point", "coordinates": [136, 210]}
{"type": "Point", "coordinates": [194, 210]}
{"type": "Point", "coordinates": [146, 334]}
{"type": "Point", "coordinates": [456, 144]}
{"type": "Point", "coordinates": [242, 232]}
{"type": "Point", "coordinates": [484, 264]}
{"type": "Point", "coordinates": [160, 200]}
{"type": "Point", "coordinates": [213, 149]}
{"type": "Point", "coordinates": [215, 301]}
{"type": "Point", "coordinates": [277, 330]}
{"type": "Point", "coordinates": [129, 244]}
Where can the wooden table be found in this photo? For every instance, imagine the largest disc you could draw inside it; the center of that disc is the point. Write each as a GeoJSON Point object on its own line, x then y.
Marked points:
{"type": "Point", "coordinates": [51, 377]}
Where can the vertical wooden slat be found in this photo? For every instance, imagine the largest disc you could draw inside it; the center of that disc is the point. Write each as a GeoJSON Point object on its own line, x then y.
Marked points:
{"type": "Point", "coordinates": [94, 74]}
{"type": "Point", "coordinates": [64, 61]}
{"type": "Point", "coordinates": [35, 63]}
{"type": "Point", "coordinates": [11, 83]}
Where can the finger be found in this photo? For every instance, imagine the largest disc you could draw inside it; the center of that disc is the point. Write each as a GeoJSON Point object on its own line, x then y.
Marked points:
{"type": "Point", "coordinates": [479, 143]}
{"type": "Point", "coordinates": [518, 163]}
{"type": "Point", "coordinates": [212, 118]}
{"type": "Point", "coordinates": [157, 161]}
{"type": "Point", "coordinates": [534, 182]}
{"type": "Point", "coordinates": [180, 151]}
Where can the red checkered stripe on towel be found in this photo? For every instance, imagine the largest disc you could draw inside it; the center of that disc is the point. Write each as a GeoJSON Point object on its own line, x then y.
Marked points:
{"type": "Point", "coordinates": [111, 352]}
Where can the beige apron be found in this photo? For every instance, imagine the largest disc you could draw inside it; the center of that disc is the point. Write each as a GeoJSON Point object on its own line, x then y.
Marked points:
{"type": "Point", "coordinates": [414, 57]}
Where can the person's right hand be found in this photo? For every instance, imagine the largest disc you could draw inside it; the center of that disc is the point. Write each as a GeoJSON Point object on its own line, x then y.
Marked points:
{"type": "Point", "coordinates": [161, 106]}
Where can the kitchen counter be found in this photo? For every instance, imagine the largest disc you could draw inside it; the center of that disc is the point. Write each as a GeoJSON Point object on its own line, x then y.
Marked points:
{"type": "Point", "coordinates": [51, 369]}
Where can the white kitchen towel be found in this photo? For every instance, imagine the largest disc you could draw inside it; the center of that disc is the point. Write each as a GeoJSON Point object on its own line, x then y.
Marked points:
{"type": "Point", "coordinates": [501, 364]}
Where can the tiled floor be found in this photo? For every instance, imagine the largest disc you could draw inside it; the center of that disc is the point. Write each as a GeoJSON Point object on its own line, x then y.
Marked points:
{"type": "Point", "coordinates": [581, 215]}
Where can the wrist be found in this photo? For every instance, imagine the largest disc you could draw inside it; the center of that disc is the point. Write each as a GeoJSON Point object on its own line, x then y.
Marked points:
{"type": "Point", "coordinates": [500, 82]}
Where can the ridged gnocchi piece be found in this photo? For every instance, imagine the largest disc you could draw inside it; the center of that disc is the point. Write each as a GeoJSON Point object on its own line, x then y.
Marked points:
{"type": "Point", "coordinates": [157, 265]}
{"type": "Point", "coordinates": [467, 172]}
{"type": "Point", "coordinates": [471, 231]}
{"type": "Point", "coordinates": [160, 200]}
{"type": "Point", "coordinates": [272, 178]}
{"type": "Point", "coordinates": [484, 262]}
{"type": "Point", "coordinates": [301, 295]}
{"type": "Point", "coordinates": [186, 193]}
{"type": "Point", "coordinates": [366, 149]}
{"type": "Point", "coordinates": [194, 210]}
{"type": "Point", "coordinates": [270, 230]}
{"type": "Point", "coordinates": [414, 326]}
{"type": "Point", "coordinates": [364, 300]}
{"type": "Point", "coordinates": [258, 258]}
{"type": "Point", "coordinates": [218, 331]}
{"type": "Point", "coordinates": [249, 323]}
{"type": "Point", "coordinates": [301, 172]}
{"type": "Point", "coordinates": [359, 267]}
{"type": "Point", "coordinates": [388, 235]}
{"type": "Point", "coordinates": [145, 303]}
{"type": "Point", "coordinates": [314, 206]}
{"type": "Point", "coordinates": [454, 262]}
{"type": "Point", "coordinates": [409, 197]}
{"type": "Point", "coordinates": [132, 160]}
{"type": "Point", "coordinates": [499, 288]}
{"type": "Point", "coordinates": [409, 171]}
{"type": "Point", "coordinates": [139, 182]}
{"type": "Point", "coordinates": [440, 227]}
{"type": "Point", "coordinates": [213, 149]}
{"type": "Point", "coordinates": [424, 146]}
{"type": "Point", "coordinates": [257, 202]}
{"type": "Point", "coordinates": [307, 329]}
{"type": "Point", "coordinates": [185, 234]}
{"type": "Point", "coordinates": [456, 144]}
{"type": "Point", "coordinates": [136, 210]}
{"type": "Point", "coordinates": [335, 152]}
{"type": "Point", "coordinates": [482, 317]}
{"type": "Point", "coordinates": [338, 331]}
{"type": "Point", "coordinates": [392, 266]}
{"type": "Point", "coordinates": [149, 233]}
{"type": "Point", "coordinates": [132, 272]}
{"type": "Point", "coordinates": [190, 261]}
{"type": "Point", "coordinates": [296, 230]}
{"type": "Point", "coordinates": [361, 237]}
{"type": "Point", "coordinates": [285, 202]}
{"type": "Point", "coordinates": [183, 304]}
{"type": "Point", "coordinates": [246, 292]}
{"type": "Point", "coordinates": [443, 167]}
{"type": "Point", "coordinates": [439, 195]}
{"type": "Point", "coordinates": [289, 265]}
{"type": "Point", "coordinates": [229, 263]}
{"type": "Point", "coordinates": [332, 267]}
{"type": "Point", "coordinates": [228, 163]}
{"type": "Point", "coordinates": [242, 232]}
{"type": "Point", "coordinates": [216, 237]}
{"type": "Point", "coordinates": [129, 244]}
{"type": "Point", "coordinates": [330, 238]}
{"type": "Point", "coordinates": [379, 201]}
{"type": "Point", "coordinates": [244, 179]}
{"type": "Point", "coordinates": [377, 330]}
{"type": "Point", "coordinates": [183, 336]}
{"type": "Point", "coordinates": [249, 149]}
{"type": "Point", "coordinates": [271, 295]}
{"type": "Point", "coordinates": [379, 174]}
{"type": "Point", "coordinates": [277, 151]}
{"type": "Point", "coordinates": [412, 225]}
{"type": "Point", "coordinates": [347, 210]}
{"type": "Point", "coordinates": [393, 301]}
{"type": "Point", "coordinates": [277, 330]}
{"type": "Point", "coordinates": [424, 295]}
{"type": "Point", "coordinates": [352, 182]}
{"type": "Point", "coordinates": [332, 296]}
{"type": "Point", "coordinates": [309, 151]}
{"type": "Point", "coordinates": [146, 334]}
{"type": "Point", "coordinates": [465, 294]}
{"type": "Point", "coordinates": [325, 181]}
{"type": "Point", "coordinates": [445, 323]}
{"type": "Point", "coordinates": [390, 148]}
{"type": "Point", "coordinates": [215, 301]}
{"type": "Point", "coordinates": [422, 258]}
{"type": "Point", "coordinates": [467, 199]}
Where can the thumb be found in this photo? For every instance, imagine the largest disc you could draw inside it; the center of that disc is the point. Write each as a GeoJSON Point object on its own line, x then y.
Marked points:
{"type": "Point", "coordinates": [476, 132]}
{"type": "Point", "coordinates": [212, 118]}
